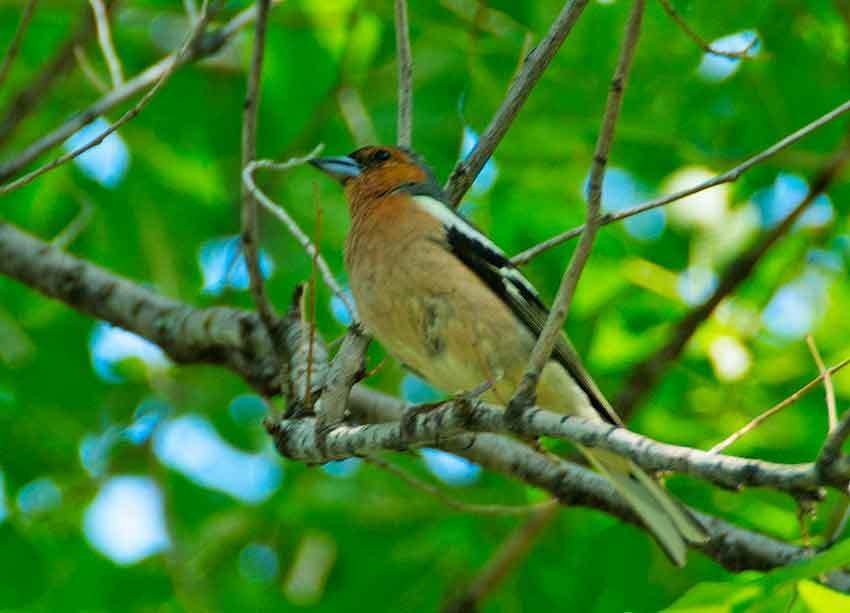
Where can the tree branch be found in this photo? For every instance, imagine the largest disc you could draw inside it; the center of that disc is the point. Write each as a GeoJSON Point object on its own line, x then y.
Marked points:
{"type": "Point", "coordinates": [829, 390]}
{"type": "Point", "coordinates": [193, 36]}
{"type": "Point", "coordinates": [404, 130]}
{"type": "Point", "coordinates": [757, 421]}
{"type": "Point", "coordinates": [28, 99]}
{"type": "Point", "coordinates": [237, 340]}
{"type": "Point", "coordinates": [467, 170]}
{"type": "Point", "coordinates": [699, 40]}
{"type": "Point", "coordinates": [206, 46]}
{"type": "Point", "coordinates": [289, 222]}
{"type": "Point", "coordinates": [17, 39]}
{"type": "Point", "coordinates": [526, 391]}
{"type": "Point", "coordinates": [649, 371]}
{"type": "Point", "coordinates": [104, 38]}
{"type": "Point", "coordinates": [250, 222]}
{"type": "Point", "coordinates": [730, 176]}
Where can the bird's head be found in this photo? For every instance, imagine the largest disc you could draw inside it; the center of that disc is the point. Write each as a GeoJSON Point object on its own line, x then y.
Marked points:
{"type": "Point", "coordinates": [371, 172]}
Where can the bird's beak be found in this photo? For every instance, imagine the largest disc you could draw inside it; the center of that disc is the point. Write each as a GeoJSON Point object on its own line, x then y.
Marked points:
{"type": "Point", "coordinates": [340, 168]}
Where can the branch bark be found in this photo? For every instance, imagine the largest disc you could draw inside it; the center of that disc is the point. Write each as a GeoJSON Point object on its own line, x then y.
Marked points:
{"type": "Point", "coordinates": [467, 170]}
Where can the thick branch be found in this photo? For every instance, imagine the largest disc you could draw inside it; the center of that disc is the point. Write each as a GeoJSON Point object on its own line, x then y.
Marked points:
{"type": "Point", "coordinates": [467, 170]}
{"type": "Point", "coordinates": [733, 547]}
{"type": "Point", "coordinates": [649, 371]}
{"type": "Point", "coordinates": [215, 335]}
{"type": "Point", "coordinates": [237, 340]}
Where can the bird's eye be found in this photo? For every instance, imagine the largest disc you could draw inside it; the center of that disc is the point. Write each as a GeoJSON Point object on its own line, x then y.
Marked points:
{"type": "Point", "coordinates": [381, 155]}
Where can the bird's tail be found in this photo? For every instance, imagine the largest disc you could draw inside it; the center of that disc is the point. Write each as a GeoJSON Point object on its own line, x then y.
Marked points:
{"type": "Point", "coordinates": [672, 525]}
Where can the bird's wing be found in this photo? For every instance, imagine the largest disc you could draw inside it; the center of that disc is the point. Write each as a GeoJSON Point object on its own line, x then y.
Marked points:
{"type": "Point", "coordinates": [491, 265]}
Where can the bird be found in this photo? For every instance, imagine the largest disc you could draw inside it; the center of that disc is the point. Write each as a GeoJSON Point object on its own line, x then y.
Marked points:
{"type": "Point", "coordinates": [445, 301]}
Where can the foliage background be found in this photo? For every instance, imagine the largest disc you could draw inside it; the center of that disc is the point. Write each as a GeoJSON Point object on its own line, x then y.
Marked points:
{"type": "Point", "coordinates": [353, 537]}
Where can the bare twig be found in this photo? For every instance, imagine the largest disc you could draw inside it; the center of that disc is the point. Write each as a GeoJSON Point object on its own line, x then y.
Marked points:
{"type": "Point", "coordinates": [17, 39]}
{"type": "Point", "coordinates": [467, 170]}
{"type": "Point", "coordinates": [525, 393]}
{"type": "Point", "coordinates": [289, 222]}
{"type": "Point", "coordinates": [700, 41]}
{"type": "Point", "coordinates": [250, 221]}
{"type": "Point", "coordinates": [829, 390]}
{"type": "Point", "coordinates": [506, 558]}
{"type": "Point", "coordinates": [645, 374]}
{"type": "Point", "coordinates": [824, 375]}
{"type": "Point", "coordinates": [404, 131]}
{"type": "Point", "coordinates": [81, 220]}
{"type": "Point", "coordinates": [176, 61]}
{"type": "Point", "coordinates": [730, 176]}
{"type": "Point", "coordinates": [88, 70]}
{"type": "Point", "coordinates": [454, 503]}
{"type": "Point", "coordinates": [104, 38]}
{"type": "Point", "coordinates": [207, 45]}
{"type": "Point", "coordinates": [27, 100]}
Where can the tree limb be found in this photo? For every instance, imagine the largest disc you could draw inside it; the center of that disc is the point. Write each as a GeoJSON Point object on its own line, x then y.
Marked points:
{"type": "Point", "coordinates": [250, 223]}
{"type": "Point", "coordinates": [645, 374]}
{"type": "Point", "coordinates": [209, 44]}
{"type": "Point", "coordinates": [17, 39]}
{"type": "Point", "coordinates": [467, 170]}
{"type": "Point", "coordinates": [404, 130]}
{"type": "Point", "coordinates": [699, 40]}
{"type": "Point", "coordinates": [525, 392]}
{"type": "Point", "coordinates": [730, 176]}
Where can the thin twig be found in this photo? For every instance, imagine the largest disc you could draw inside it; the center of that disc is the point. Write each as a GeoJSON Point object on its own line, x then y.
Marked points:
{"type": "Point", "coordinates": [525, 393]}
{"type": "Point", "coordinates": [104, 38]}
{"type": "Point", "coordinates": [700, 41]}
{"type": "Point", "coordinates": [191, 10]}
{"type": "Point", "coordinates": [176, 61]}
{"type": "Point", "coordinates": [209, 44]}
{"type": "Point", "coordinates": [757, 421]}
{"type": "Point", "coordinates": [81, 220]}
{"type": "Point", "coordinates": [730, 176]}
{"type": "Point", "coordinates": [467, 170]}
{"type": "Point", "coordinates": [311, 296]}
{"type": "Point", "coordinates": [289, 222]}
{"type": "Point", "coordinates": [506, 558]}
{"type": "Point", "coordinates": [28, 99]}
{"type": "Point", "coordinates": [829, 390]}
{"type": "Point", "coordinates": [17, 39]}
{"type": "Point", "coordinates": [404, 131]}
{"type": "Point", "coordinates": [454, 503]}
{"type": "Point", "coordinates": [645, 374]}
{"type": "Point", "coordinates": [88, 70]}
{"type": "Point", "coordinates": [250, 220]}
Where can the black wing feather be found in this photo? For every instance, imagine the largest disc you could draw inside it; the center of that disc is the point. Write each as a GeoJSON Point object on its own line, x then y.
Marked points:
{"type": "Point", "coordinates": [505, 280]}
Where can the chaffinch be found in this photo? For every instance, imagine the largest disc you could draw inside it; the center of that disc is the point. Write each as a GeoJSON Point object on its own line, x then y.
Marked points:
{"type": "Point", "coordinates": [447, 302]}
